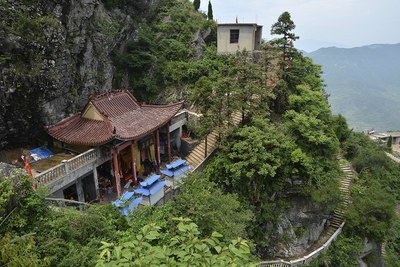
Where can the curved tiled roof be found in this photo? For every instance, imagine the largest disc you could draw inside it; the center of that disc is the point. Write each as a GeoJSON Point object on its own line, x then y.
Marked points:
{"type": "Point", "coordinates": [82, 131]}
{"type": "Point", "coordinates": [124, 119]}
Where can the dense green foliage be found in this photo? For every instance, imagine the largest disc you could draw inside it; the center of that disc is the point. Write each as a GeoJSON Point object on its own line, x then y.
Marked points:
{"type": "Point", "coordinates": [43, 236]}
{"type": "Point", "coordinates": [163, 58]}
{"type": "Point", "coordinates": [196, 4]}
{"type": "Point", "coordinates": [375, 192]}
{"type": "Point", "coordinates": [284, 26]}
{"type": "Point", "coordinates": [343, 252]}
{"type": "Point", "coordinates": [185, 248]}
{"type": "Point", "coordinates": [370, 214]}
{"type": "Point", "coordinates": [210, 11]}
{"type": "Point", "coordinates": [33, 234]}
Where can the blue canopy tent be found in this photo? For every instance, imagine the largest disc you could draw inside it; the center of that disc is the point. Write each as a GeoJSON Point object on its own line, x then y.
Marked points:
{"type": "Point", "coordinates": [176, 170]}
{"type": "Point", "coordinates": [127, 203]}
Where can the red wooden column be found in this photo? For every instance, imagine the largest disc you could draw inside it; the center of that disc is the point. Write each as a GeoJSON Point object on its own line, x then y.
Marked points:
{"type": "Point", "coordinates": [155, 146]}
{"type": "Point", "coordinates": [158, 148]}
{"type": "Point", "coordinates": [169, 144]}
{"type": "Point", "coordinates": [116, 171]}
{"type": "Point", "coordinates": [133, 161]}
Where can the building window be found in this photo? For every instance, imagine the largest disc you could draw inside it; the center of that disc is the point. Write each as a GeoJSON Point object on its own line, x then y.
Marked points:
{"type": "Point", "coordinates": [234, 36]}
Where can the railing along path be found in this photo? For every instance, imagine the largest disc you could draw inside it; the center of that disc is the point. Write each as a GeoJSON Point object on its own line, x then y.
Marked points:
{"type": "Point", "coordinates": [63, 169]}
{"type": "Point", "coordinates": [336, 224]}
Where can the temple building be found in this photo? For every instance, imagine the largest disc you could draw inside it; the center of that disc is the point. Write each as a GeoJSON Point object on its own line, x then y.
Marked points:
{"type": "Point", "coordinates": [130, 138]}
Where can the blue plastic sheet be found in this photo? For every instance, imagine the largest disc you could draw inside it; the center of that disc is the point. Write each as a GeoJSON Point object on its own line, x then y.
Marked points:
{"type": "Point", "coordinates": [40, 153]}
{"type": "Point", "coordinates": [152, 190]}
{"type": "Point", "coordinates": [175, 164]}
{"type": "Point", "coordinates": [176, 172]}
{"type": "Point", "coordinates": [150, 180]}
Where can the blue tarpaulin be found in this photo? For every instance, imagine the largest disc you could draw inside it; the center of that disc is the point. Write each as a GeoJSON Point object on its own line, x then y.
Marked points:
{"type": "Point", "coordinates": [167, 172]}
{"type": "Point", "coordinates": [174, 173]}
{"type": "Point", "coordinates": [175, 164]}
{"type": "Point", "coordinates": [152, 190]}
{"type": "Point", "coordinates": [126, 210]}
{"type": "Point", "coordinates": [40, 153]}
{"type": "Point", "coordinates": [150, 180]}
{"type": "Point", "coordinates": [127, 195]}
{"type": "Point", "coordinates": [125, 199]}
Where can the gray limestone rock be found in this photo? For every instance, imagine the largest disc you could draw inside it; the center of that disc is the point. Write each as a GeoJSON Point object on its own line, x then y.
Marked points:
{"type": "Point", "coordinates": [298, 228]}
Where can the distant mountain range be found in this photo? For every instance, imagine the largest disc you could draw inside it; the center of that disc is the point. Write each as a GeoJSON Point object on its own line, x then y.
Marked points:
{"type": "Point", "coordinates": [363, 83]}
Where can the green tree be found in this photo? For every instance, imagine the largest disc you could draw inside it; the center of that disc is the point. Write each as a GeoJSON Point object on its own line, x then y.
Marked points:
{"type": "Point", "coordinates": [196, 4]}
{"type": "Point", "coordinates": [343, 252]}
{"type": "Point", "coordinates": [341, 128]}
{"type": "Point", "coordinates": [371, 210]}
{"type": "Point", "coordinates": [254, 161]}
{"type": "Point", "coordinates": [392, 257]}
{"type": "Point", "coordinates": [249, 92]}
{"type": "Point", "coordinates": [212, 209]}
{"type": "Point", "coordinates": [210, 15]}
{"type": "Point", "coordinates": [185, 248]}
{"type": "Point", "coordinates": [284, 26]}
{"type": "Point", "coordinates": [20, 251]}
{"type": "Point", "coordinates": [309, 120]}
{"type": "Point", "coordinates": [389, 142]}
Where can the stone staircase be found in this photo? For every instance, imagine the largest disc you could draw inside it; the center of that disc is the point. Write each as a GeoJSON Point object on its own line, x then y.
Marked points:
{"type": "Point", "coordinates": [198, 155]}
{"type": "Point", "coordinates": [335, 226]}
{"type": "Point", "coordinates": [338, 215]}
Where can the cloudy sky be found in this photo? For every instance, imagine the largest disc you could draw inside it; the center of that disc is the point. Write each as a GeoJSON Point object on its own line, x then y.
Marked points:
{"type": "Point", "coordinates": [319, 23]}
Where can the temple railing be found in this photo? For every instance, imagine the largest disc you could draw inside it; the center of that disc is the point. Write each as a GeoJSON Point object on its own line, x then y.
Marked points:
{"type": "Point", "coordinates": [61, 170]}
{"type": "Point", "coordinates": [306, 259]}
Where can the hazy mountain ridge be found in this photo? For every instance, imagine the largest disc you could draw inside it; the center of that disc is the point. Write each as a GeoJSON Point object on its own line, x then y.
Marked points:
{"type": "Point", "coordinates": [363, 83]}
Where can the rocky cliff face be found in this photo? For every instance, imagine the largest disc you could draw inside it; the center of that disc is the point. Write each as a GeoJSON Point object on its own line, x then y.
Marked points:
{"type": "Point", "coordinates": [54, 54]}
{"type": "Point", "coordinates": [298, 228]}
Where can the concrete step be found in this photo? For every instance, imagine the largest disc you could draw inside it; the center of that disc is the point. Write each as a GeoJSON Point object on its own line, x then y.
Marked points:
{"type": "Point", "coordinates": [337, 219]}
{"type": "Point", "coordinates": [198, 152]}
{"type": "Point", "coordinates": [213, 134]}
{"type": "Point", "coordinates": [331, 229]}
{"type": "Point", "coordinates": [195, 157]}
{"type": "Point", "coordinates": [193, 164]}
{"type": "Point", "coordinates": [212, 139]}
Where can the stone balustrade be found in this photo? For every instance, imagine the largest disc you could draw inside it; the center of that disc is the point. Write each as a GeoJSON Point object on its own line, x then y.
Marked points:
{"type": "Point", "coordinates": [60, 171]}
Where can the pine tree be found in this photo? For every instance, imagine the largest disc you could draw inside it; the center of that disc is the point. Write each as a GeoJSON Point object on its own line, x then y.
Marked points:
{"type": "Point", "coordinates": [196, 4]}
{"type": "Point", "coordinates": [210, 11]}
{"type": "Point", "coordinates": [284, 26]}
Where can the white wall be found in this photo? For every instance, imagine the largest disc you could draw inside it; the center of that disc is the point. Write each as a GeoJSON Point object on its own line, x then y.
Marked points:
{"type": "Point", "coordinates": [246, 38]}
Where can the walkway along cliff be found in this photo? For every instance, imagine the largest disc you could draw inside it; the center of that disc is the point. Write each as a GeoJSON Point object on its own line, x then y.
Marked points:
{"type": "Point", "coordinates": [335, 227]}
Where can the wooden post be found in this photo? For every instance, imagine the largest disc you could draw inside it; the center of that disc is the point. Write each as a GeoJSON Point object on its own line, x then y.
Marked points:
{"type": "Point", "coordinates": [169, 143]}
{"type": "Point", "coordinates": [205, 147]}
{"type": "Point", "coordinates": [133, 162]}
{"type": "Point", "coordinates": [155, 147]}
{"type": "Point", "coordinates": [116, 172]}
{"type": "Point", "coordinates": [158, 148]}
{"type": "Point", "coordinates": [96, 181]}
